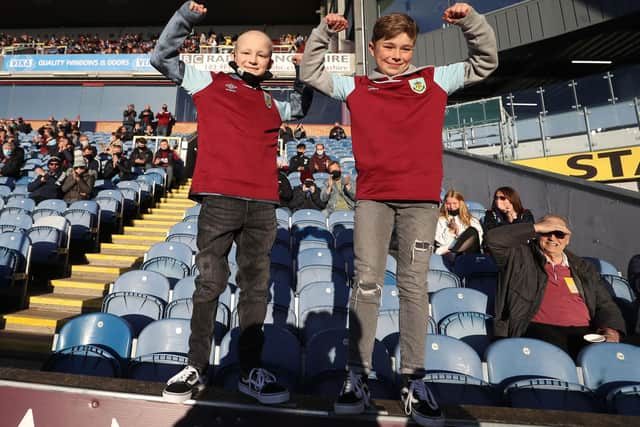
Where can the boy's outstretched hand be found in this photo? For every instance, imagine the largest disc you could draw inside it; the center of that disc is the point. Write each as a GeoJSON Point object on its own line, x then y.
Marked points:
{"type": "Point", "coordinates": [336, 22]}
{"type": "Point", "coordinates": [456, 12]}
{"type": "Point", "coordinates": [198, 8]}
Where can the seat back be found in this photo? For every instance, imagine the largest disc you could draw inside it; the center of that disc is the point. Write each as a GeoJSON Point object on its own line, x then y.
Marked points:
{"type": "Point", "coordinates": [512, 359]}
{"type": "Point", "coordinates": [453, 300]}
{"type": "Point", "coordinates": [470, 327]}
{"type": "Point", "coordinates": [164, 336]}
{"type": "Point", "coordinates": [440, 279]}
{"type": "Point", "coordinates": [176, 250]}
{"type": "Point", "coordinates": [619, 287]}
{"type": "Point", "coordinates": [144, 282]}
{"type": "Point", "coordinates": [102, 329]}
{"type": "Point", "coordinates": [184, 228]}
{"type": "Point", "coordinates": [609, 364]}
{"type": "Point", "coordinates": [169, 267]}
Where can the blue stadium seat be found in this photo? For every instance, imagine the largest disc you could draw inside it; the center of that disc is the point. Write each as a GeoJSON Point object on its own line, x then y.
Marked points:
{"type": "Point", "coordinates": [175, 250]}
{"type": "Point", "coordinates": [144, 282]}
{"type": "Point", "coordinates": [84, 360]}
{"type": "Point", "coordinates": [186, 239]}
{"type": "Point", "coordinates": [183, 228]}
{"type": "Point", "coordinates": [308, 218]}
{"type": "Point", "coordinates": [326, 360]}
{"type": "Point", "coordinates": [21, 202]}
{"type": "Point", "coordinates": [42, 213]}
{"type": "Point", "coordinates": [436, 262]}
{"type": "Point", "coordinates": [603, 266]}
{"type": "Point", "coordinates": [20, 244]}
{"type": "Point", "coordinates": [192, 213]}
{"type": "Point", "coordinates": [111, 204]}
{"type": "Point", "coordinates": [453, 300]}
{"type": "Point", "coordinates": [7, 181]}
{"type": "Point", "coordinates": [50, 238]}
{"type": "Point", "coordinates": [341, 219]}
{"type": "Point", "coordinates": [103, 330]}
{"type": "Point", "coordinates": [536, 374]}
{"type": "Point", "coordinates": [281, 355]}
{"type": "Point", "coordinates": [136, 308]}
{"type": "Point", "coordinates": [9, 221]}
{"type": "Point", "coordinates": [390, 298]}
{"type": "Point", "coordinates": [388, 329]}
{"type": "Point", "coordinates": [613, 371]}
{"type": "Point", "coordinates": [131, 192]}
{"type": "Point", "coordinates": [169, 267]}
{"type": "Point", "coordinates": [439, 279]}
{"type": "Point", "coordinates": [277, 315]}
{"type": "Point", "coordinates": [283, 217]}
{"type": "Point", "coordinates": [619, 287]}
{"type": "Point", "coordinates": [474, 329]}
{"type": "Point", "coordinates": [54, 204]}
{"type": "Point", "coordinates": [84, 216]}
{"type": "Point", "coordinates": [322, 305]}
{"type": "Point", "coordinates": [312, 237]}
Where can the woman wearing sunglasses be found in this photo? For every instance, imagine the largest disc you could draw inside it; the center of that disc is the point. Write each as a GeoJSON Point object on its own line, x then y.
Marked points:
{"type": "Point", "coordinates": [506, 209]}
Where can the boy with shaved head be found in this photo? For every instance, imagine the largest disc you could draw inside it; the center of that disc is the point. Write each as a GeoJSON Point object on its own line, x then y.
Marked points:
{"type": "Point", "coordinates": [236, 181]}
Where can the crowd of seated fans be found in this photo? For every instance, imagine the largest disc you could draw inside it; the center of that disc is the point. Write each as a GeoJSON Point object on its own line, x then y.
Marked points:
{"type": "Point", "coordinates": [131, 43]}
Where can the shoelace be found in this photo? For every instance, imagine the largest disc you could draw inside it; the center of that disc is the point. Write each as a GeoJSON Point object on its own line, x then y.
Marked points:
{"type": "Point", "coordinates": [423, 395]}
{"type": "Point", "coordinates": [259, 377]}
{"type": "Point", "coordinates": [183, 376]}
{"type": "Point", "coordinates": [354, 383]}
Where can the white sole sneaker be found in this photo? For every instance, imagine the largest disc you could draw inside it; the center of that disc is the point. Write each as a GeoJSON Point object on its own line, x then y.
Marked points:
{"type": "Point", "coordinates": [265, 399]}
{"type": "Point", "coordinates": [176, 398]}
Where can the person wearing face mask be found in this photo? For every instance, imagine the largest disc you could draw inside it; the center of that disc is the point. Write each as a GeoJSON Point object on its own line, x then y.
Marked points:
{"type": "Point", "coordinates": [299, 162]}
{"type": "Point", "coordinates": [236, 181]}
{"type": "Point", "coordinates": [306, 195]}
{"type": "Point", "coordinates": [89, 153]}
{"type": "Point", "coordinates": [506, 209]}
{"type": "Point", "coordinates": [340, 193]}
{"type": "Point", "coordinates": [456, 229]}
{"type": "Point", "coordinates": [44, 186]}
{"type": "Point", "coordinates": [12, 160]}
{"type": "Point", "coordinates": [319, 161]}
{"type": "Point", "coordinates": [141, 156]}
{"type": "Point", "coordinates": [547, 292]}
{"type": "Point", "coordinates": [165, 119]}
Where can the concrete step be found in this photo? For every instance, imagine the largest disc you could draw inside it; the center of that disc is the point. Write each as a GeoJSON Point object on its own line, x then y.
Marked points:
{"type": "Point", "coordinates": [25, 345]}
{"type": "Point", "coordinates": [137, 240]}
{"type": "Point", "coordinates": [178, 203]}
{"type": "Point", "coordinates": [168, 211]}
{"type": "Point", "coordinates": [146, 231]}
{"type": "Point", "coordinates": [37, 320]}
{"type": "Point", "coordinates": [162, 217]}
{"type": "Point", "coordinates": [113, 260]}
{"type": "Point", "coordinates": [70, 286]}
{"type": "Point", "coordinates": [154, 223]}
{"type": "Point", "coordinates": [123, 249]}
{"type": "Point", "coordinates": [87, 269]}
{"type": "Point", "coordinates": [68, 303]}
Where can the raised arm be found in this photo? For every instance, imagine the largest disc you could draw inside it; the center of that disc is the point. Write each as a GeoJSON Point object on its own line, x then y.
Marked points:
{"type": "Point", "coordinates": [312, 70]}
{"type": "Point", "coordinates": [300, 99]}
{"type": "Point", "coordinates": [166, 54]}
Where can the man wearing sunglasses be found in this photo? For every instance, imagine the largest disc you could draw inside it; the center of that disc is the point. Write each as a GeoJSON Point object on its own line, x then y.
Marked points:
{"type": "Point", "coordinates": [547, 292]}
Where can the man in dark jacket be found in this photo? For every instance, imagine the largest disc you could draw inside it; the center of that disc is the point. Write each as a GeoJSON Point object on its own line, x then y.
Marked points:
{"type": "Point", "coordinates": [141, 156]}
{"type": "Point", "coordinates": [546, 292]}
{"type": "Point", "coordinates": [337, 132]}
{"type": "Point", "coordinates": [299, 162]}
{"type": "Point", "coordinates": [44, 186]}
{"type": "Point", "coordinates": [119, 166]}
{"type": "Point", "coordinates": [11, 160]}
{"type": "Point", "coordinates": [306, 195]}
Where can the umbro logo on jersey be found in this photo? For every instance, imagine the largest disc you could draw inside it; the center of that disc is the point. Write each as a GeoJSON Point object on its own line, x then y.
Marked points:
{"type": "Point", "coordinates": [230, 87]}
{"type": "Point", "coordinates": [372, 88]}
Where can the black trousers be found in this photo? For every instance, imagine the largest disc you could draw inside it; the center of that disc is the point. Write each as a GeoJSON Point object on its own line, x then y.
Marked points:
{"type": "Point", "coordinates": [568, 338]}
{"type": "Point", "coordinates": [252, 225]}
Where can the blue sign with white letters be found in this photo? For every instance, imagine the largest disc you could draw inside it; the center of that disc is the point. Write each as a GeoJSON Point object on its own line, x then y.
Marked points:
{"type": "Point", "coordinates": [76, 63]}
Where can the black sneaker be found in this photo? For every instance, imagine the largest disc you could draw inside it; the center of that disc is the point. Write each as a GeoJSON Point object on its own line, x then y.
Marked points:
{"type": "Point", "coordinates": [263, 386]}
{"type": "Point", "coordinates": [354, 396]}
{"type": "Point", "coordinates": [420, 404]}
{"type": "Point", "coordinates": [181, 386]}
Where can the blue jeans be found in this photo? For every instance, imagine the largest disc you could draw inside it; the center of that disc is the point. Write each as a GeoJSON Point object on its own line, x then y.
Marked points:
{"type": "Point", "coordinates": [252, 225]}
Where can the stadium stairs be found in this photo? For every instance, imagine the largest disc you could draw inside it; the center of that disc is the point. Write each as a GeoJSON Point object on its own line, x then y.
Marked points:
{"type": "Point", "coordinates": [27, 335]}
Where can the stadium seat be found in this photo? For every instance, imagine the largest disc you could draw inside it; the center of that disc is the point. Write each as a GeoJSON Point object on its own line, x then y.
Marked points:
{"type": "Point", "coordinates": [340, 219]}
{"type": "Point", "coordinates": [388, 328]}
{"type": "Point", "coordinates": [136, 308]}
{"type": "Point", "coordinates": [619, 287]}
{"type": "Point", "coordinates": [326, 360]}
{"type": "Point", "coordinates": [20, 202]}
{"type": "Point", "coordinates": [144, 282]}
{"type": "Point", "coordinates": [536, 374]}
{"type": "Point", "coordinates": [436, 262]}
{"type": "Point", "coordinates": [183, 228]}
{"type": "Point", "coordinates": [311, 237]}
{"type": "Point", "coordinates": [322, 305]}
{"type": "Point", "coordinates": [50, 238]}
{"type": "Point", "coordinates": [283, 217]}
{"type": "Point", "coordinates": [277, 315]}
{"type": "Point", "coordinates": [472, 328]}
{"type": "Point", "coordinates": [54, 204]}
{"type": "Point", "coordinates": [453, 300]}
{"type": "Point", "coordinates": [7, 181]}
{"type": "Point", "coordinates": [111, 204]}
{"type": "Point", "coordinates": [178, 251]}
{"type": "Point", "coordinates": [390, 298]}
{"type": "Point", "coordinates": [19, 242]}
{"type": "Point", "coordinates": [187, 239]}
{"type": "Point", "coordinates": [613, 371]}
{"type": "Point", "coordinates": [308, 218]}
{"type": "Point", "coordinates": [131, 192]}
{"type": "Point", "coordinates": [84, 360]}
{"type": "Point", "coordinates": [191, 214]}
{"type": "Point", "coordinates": [169, 267]}
{"type": "Point", "coordinates": [281, 355]}
{"type": "Point", "coordinates": [603, 267]}
{"type": "Point", "coordinates": [439, 279]}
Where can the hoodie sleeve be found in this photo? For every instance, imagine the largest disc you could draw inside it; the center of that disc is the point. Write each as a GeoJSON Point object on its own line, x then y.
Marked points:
{"type": "Point", "coordinates": [166, 54]}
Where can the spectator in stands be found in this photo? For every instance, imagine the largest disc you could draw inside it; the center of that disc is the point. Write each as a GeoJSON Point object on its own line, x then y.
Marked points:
{"type": "Point", "coordinates": [547, 292]}
{"type": "Point", "coordinates": [339, 194]}
{"type": "Point", "coordinates": [236, 205]}
{"type": "Point", "coordinates": [64, 150]}
{"type": "Point", "coordinates": [83, 141]}
{"type": "Point", "coordinates": [285, 133]}
{"type": "Point", "coordinates": [129, 118]}
{"type": "Point", "coordinates": [118, 168]}
{"type": "Point", "coordinates": [146, 117]}
{"type": "Point", "coordinates": [299, 162]}
{"type": "Point", "coordinates": [166, 158]}
{"type": "Point", "coordinates": [11, 160]}
{"type": "Point", "coordinates": [141, 156]}
{"type": "Point", "coordinates": [337, 132]}
{"type": "Point", "coordinates": [506, 209]}
{"type": "Point", "coordinates": [165, 120]}
{"type": "Point", "coordinates": [89, 153]}
{"type": "Point", "coordinates": [404, 196]}
{"type": "Point", "coordinates": [148, 131]}
{"type": "Point", "coordinates": [284, 187]}
{"type": "Point", "coordinates": [299, 132]}
{"type": "Point", "coordinates": [456, 229]}
{"type": "Point", "coordinates": [307, 194]}
{"type": "Point", "coordinates": [138, 130]}
{"type": "Point", "coordinates": [23, 126]}
{"type": "Point", "coordinates": [319, 160]}
{"type": "Point", "coordinates": [77, 183]}
{"type": "Point", "coordinates": [44, 186]}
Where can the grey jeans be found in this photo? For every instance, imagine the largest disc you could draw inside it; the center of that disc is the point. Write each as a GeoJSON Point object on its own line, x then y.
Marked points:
{"type": "Point", "coordinates": [252, 225]}
{"type": "Point", "coordinates": [415, 224]}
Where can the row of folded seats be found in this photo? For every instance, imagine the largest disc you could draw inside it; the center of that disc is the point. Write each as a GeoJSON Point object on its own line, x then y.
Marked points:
{"type": "Point", "coordinates": [517, 372]}
{"type": "Point", "coordinates": [43, 233]}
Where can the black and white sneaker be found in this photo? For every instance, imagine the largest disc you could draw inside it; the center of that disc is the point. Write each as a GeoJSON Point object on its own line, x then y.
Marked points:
{"type": "Point", "coordinates": [263, 386]}
{"type": "Point", "coordinates": [420, 404]}
{"type": "Point", "coordinates": [181, 386]}
{"type": "Point", "coordinates": [354, 396]}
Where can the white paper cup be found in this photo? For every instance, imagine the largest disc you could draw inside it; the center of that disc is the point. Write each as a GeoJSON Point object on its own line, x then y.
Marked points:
{"type": "Point", "coordinates": [594, 338]}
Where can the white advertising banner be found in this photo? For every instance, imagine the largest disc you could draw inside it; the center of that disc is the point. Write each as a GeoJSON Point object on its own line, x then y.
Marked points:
{"type": "Point", "coordinates": [338, 63]}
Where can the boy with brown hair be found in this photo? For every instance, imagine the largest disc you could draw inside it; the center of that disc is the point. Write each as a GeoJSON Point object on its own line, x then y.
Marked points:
{"type": "Point", "coordinates": [397, 115]}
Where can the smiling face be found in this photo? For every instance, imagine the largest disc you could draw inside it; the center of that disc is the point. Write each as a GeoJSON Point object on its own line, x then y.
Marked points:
{"type": "Point", "coordinates": [553, 244]}
{"type": "Point", "coordinates": [393, 56]}
{"type": "Point", "coordinates": [451, 203]}
{"type": "Point", "coordinates": [253, 52]}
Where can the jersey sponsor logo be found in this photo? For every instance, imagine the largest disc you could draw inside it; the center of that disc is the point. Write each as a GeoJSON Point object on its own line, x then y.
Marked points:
{"type": "Point", "coordinates": [230, 87]}
{"type": "Point", "coordinates": [267, 100]}
{"type": "Point", "coordinates": [418, 85]}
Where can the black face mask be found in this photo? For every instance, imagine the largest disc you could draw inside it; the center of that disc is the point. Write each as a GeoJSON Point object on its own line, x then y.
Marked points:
{"type": "Point", "coordinates": [454, 213]}
{"type": "Point", "coordinates": [336, 174]}
{"type": "Point", "coordinates": [250, 79]}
